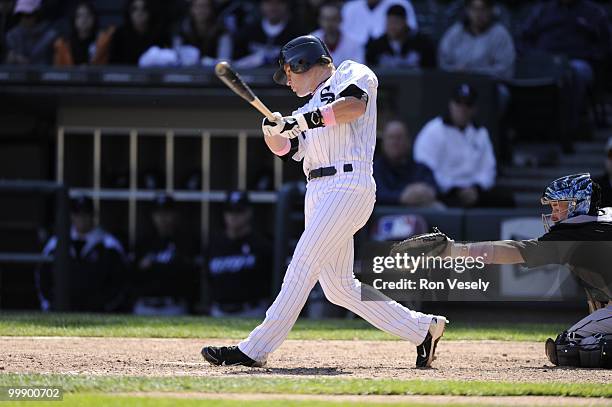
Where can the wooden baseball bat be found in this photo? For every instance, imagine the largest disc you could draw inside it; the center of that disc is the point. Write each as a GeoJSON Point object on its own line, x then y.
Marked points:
{"type": "Point", "coordinates": [230, 77]}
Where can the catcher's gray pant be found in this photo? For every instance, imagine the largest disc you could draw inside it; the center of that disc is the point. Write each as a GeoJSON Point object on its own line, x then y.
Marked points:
{"type": "Point", "coordinates": [598, 322]}
{"type": "Point", "coordinates": [335, 208]}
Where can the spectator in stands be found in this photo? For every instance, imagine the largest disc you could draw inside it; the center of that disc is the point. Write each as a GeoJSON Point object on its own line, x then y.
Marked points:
{"type": "Point", "coordinates": [460, 154]}
{"type": "Point", "coordinates": [310, 12]}
{"type": "Point", "coordinates": [239, 263]}
{"type": "Point", "coordinates": [451, 11]}
{"type": "Point", "coordinates": [83, 46]}
{"type": "Point", "coordinates": [366, 19]}
{"type": "Point", "coordinates": [400, 180]}
{"type": "Point", "coordinates": [97, 271]}
{"type": "Point", "coordinates": [201, 29]}
{"type": "Point", "coordinates": [142, 28]}
{"type": "Point", "coordinates": [30, 42]}
{"type": "Point", "coordinates": [6, 13]}
{"type": "Point", "coordinates": [260, 43]}
{"type": "Point", "coordinates": [400, 47]}
{"type": "Point", "coordinates": [341, 45]}
{"type": "Point", "coordinates": [478, 44]}
{"type": "Point", "coordinates": [166, 278]}
{"type": "Point", "coordinates": [605, 180]}
{"type": "Point", "coordinates": [237, 14]}
{"type": "Point", "coordinates": [577, 29]}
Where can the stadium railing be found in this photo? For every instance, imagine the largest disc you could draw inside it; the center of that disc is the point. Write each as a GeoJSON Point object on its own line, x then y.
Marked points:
{"type": "Point", "coordinates": [205, 196]}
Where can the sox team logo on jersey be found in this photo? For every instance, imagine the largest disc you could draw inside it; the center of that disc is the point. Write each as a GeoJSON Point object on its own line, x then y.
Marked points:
{"type": "Point", "coordinates": [348, 142]}
{"type": "Point", "coordinates": [327, 96]}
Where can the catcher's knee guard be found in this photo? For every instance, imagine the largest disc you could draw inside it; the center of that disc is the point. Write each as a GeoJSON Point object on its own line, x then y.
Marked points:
{"type": "Point", "coordinates": [596, 351]}
{"type": "Point", "coordinates": [562, 351]}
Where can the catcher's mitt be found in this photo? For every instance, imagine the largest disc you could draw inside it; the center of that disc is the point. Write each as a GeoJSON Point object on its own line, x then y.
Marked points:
{"type": "Point", "coordinates": [427, 244]}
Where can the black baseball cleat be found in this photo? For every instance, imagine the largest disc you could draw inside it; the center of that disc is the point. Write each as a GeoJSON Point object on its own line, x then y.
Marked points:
{"type": "Point", "coordinates": [228, 356]}
{"type": "Point", "coordinates": [426, 350]}
{"type": "Point", "coordinates": [551, 351]}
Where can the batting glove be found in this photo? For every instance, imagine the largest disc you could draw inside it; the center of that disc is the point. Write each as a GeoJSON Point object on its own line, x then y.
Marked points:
{"type": "Point", "coordinates": [280, 126]}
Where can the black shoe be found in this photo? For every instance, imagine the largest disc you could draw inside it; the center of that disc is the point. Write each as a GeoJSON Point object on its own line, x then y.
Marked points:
{"type": "Point", "coordinates": [228, 356]}
{"type": "Point", "coordinates": [426, 350]}
{"type": "Point", "coordinates": [551, 351]}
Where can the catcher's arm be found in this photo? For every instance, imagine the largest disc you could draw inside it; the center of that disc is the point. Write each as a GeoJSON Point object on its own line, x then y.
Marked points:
{"type": "Point", "coordinates": [438, 244]}
{"type": "Point", "coordinates": [495, 252]}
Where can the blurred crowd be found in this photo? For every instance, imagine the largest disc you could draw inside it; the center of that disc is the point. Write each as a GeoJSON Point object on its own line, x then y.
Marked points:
{"type": "Point", "coordinates": [476, 36]}
{"type": "Point", "coordinates": [379, 32]}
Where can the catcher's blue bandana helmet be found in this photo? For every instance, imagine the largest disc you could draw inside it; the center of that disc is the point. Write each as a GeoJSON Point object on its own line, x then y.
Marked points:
{"type": "Point", "coordinates": [576, 189]}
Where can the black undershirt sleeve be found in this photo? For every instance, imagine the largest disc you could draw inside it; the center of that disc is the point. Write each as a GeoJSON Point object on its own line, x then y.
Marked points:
{"type": "Point", "coordinates": [294, 148]}
{"type": "Point", "coordinates": [538, 253]}
{"type": "Point", "coordinates": [354, 91]}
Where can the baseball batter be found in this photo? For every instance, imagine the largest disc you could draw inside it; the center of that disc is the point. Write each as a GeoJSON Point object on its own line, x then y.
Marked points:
{"type": "Point", "coordinates": [335, 135]}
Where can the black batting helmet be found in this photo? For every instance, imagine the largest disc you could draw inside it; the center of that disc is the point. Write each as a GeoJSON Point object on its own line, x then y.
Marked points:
{"type": "Point", "coordinates": [301, 54]}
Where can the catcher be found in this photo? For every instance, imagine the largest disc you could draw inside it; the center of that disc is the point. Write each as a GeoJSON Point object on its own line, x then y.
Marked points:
{"type": "Point", "coordinates": [579, 235]}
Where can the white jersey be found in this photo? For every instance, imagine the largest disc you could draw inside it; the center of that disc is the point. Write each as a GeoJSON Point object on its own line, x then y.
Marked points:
{"type": "Point", "coordinates": [342, 143]}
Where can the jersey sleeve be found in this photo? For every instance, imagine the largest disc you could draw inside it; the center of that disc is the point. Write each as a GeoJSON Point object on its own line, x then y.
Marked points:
{"type": "Point", "coordinates": [351, 73]}
{"type": "Point", "coordinates": [554, 247]}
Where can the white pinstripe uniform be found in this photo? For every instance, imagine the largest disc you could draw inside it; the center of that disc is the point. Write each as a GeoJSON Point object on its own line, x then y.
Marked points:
{"type": "Point", "coordinates": [336, 207]}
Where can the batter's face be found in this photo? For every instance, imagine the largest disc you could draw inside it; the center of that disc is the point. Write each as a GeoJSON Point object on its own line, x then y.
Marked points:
{"type": "Point", "coordinates": [302, 84]}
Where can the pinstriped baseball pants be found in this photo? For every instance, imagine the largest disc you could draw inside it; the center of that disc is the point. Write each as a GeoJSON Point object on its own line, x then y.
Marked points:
{"type": "Point", "coordinates": [336, 208]}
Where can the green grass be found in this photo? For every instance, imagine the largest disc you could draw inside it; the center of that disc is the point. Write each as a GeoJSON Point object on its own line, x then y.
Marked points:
{"type": "Point", "coordinates": [325, 386]}
{"type": "Point", "coordinates": [37, 324]}
{"type": "Point", "coordinates": [79, 400]}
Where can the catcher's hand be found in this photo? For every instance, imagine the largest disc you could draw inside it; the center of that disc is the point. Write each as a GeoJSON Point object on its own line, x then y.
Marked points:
{"type": "Point", "coordinates": [427, 244]}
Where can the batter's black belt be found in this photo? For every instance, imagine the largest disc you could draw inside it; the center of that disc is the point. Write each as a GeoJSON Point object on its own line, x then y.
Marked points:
{"type": "Point", "coordinates": [328, 171]}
